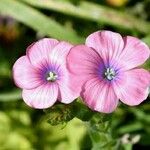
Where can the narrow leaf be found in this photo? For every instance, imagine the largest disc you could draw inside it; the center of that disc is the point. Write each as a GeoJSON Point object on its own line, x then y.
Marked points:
{"type": "Point", "coordinates": [94, 12]}
{"type": "Point", "coordinates": [37, 21]}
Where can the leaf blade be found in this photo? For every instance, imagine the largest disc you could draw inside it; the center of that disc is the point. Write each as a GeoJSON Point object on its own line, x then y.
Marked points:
{"type": "Point", "coordinates": [37, 21]}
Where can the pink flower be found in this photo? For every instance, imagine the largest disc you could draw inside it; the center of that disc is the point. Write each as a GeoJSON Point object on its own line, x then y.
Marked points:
{"type": "Point", "coordinates": [43, 76]}
{"type": "Point", "coordinates": [107, 67]}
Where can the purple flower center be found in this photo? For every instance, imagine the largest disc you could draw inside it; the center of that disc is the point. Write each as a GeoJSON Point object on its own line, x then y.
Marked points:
{"type": "Point", "coordinates": [109, 74]}
{"type": "Point", "coordinates": [51, 76]}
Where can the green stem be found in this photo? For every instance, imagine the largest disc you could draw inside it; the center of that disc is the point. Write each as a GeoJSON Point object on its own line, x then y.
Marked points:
{"type": "Point", "coordinates": [127, 146]}
{"type": "Point", "coordinates": [99, 130]}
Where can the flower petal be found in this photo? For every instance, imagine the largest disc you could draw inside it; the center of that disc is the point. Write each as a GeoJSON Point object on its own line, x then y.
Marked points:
{"type": "Point", "coordinates": [25, 75]}
{"type": "Point", "coordinates": [59, 53]}
{"type": "Point", "coordinates": [108, 44]}
{"type": "Point", "coordinates": [84, 62]}
{"type": "Point", "coordinates": [41, 97]}
{"type": "Point", "coordinates": [40, 50]}
{"type": "Point", "coordinates": [69, 88]}
{"type": "Point", "coordinates": [100, 96]}
{"type": "Point", "coordinates": [132, 87]}
{"type": "Point", "coordinates": [135, 53]}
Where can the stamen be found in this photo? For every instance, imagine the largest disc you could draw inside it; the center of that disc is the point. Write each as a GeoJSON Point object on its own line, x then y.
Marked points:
{"type": "Point", "coordinates": [110, 74]}
{"type": "Point", "coordinates": [51, 76]}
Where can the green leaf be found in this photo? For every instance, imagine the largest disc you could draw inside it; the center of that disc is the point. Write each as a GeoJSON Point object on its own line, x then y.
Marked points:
{"type": "Point", "coordinates": [94, 12]}
{"type": "Point", "coordinates": [141, 115]}
{"type": "Point", "coordinates": [81, 111]}
{"type": "Point", "coordinates": [134, 126]}
{"type": "Point", "coordinates": [37, 21]}
{"type": "Point", "coordinates": [99, 129]}
{"type": "Point", "coordinates": [62, 113]}
{"type": "Point", "coordinates": [59, 114]}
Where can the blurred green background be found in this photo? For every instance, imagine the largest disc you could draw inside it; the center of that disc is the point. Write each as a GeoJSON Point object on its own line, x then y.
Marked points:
{"type": "Point", "coordinates": [25, 21]}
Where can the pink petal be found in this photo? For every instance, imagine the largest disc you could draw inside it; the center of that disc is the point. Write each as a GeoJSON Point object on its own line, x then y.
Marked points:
{"type": "Point", "coordinates": [41, 97]}
{"type": "Point", "coordinates": [108, 44]}
{"type": "Point", "coordinates": [100, 96]}
{"type": "Point", "coordinates": [69, 88]}
{"type": "Point", "coordinates": [84, 62]}
{"type": "Point", "coordinates": [59, 53]}
{"type": "Point", "coordinates": [132, 86]}
{"type": "Point", "coordinates": [25, 75]}
{"type": "Point", "coordinates": [135, 52]}
{"type": "Point", "coordinates": [40, 50]}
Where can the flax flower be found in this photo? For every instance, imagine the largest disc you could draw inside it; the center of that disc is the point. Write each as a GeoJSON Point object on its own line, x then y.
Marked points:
{"type": "Point", "coordinates": [42, 74]}
{"type": "Point", "coordinates": [108, 68]}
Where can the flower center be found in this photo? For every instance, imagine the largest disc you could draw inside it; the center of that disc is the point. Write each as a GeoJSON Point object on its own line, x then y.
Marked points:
{"type": "Point", "coordinates": [51, 76]}
{"type": "Point", "coordinates": [110, 74]}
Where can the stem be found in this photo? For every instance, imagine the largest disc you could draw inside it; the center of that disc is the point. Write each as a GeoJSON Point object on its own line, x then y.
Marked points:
{"type": "Point", "coordinates": [128, 146]}
{"type": "Point", "coordinates": [99, 130]}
